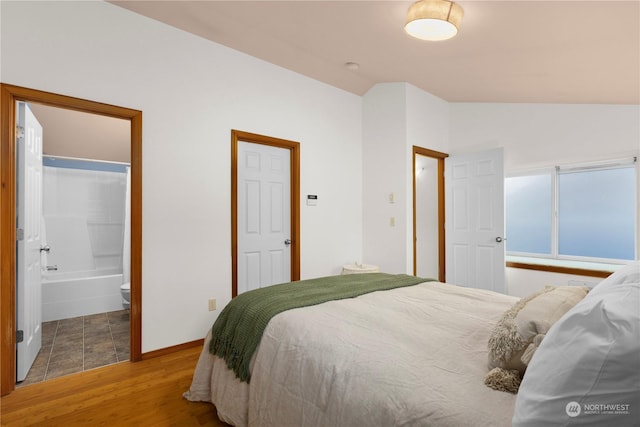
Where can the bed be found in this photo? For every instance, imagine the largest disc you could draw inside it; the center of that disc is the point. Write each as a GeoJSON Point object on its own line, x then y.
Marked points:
{"type": "Point", "coordinates": [414, 355]}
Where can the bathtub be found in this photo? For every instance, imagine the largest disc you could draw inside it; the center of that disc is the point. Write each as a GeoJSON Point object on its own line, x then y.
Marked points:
{"type": "Point", "coordinates": [80, 293]}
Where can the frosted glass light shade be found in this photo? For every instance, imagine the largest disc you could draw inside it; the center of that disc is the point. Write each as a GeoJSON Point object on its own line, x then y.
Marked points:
{"type": "Point", "coordinates": [433, 20]}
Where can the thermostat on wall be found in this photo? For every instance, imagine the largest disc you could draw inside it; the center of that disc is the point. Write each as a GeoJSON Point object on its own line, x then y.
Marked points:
{"type": "Point", "coordinates": [312, 199]}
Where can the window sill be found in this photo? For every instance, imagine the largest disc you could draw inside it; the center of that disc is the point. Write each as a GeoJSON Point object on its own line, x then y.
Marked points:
{"type": "Point", "coordinates": [579, 268]}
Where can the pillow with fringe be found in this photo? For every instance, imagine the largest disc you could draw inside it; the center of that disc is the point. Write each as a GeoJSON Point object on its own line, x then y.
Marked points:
{"type": "Point", "coordinates": [521, 329]}
{"type": "Point", "coordinates": [503, 380]}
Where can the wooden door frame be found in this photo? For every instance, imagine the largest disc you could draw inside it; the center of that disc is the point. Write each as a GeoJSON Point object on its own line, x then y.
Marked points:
{"type": "Point", "coordinates": [441, 232]}
{"type": "Point", "coordinates": [294, 148]}
{"type": "Point", "coordinates": [9, 95]}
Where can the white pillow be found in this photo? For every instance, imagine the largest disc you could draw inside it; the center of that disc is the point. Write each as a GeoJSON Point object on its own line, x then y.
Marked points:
{"type": "Point", "coordinates": [587, 369]}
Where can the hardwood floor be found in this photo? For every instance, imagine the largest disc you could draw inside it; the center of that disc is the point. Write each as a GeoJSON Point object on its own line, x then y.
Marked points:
{"type": "Point", "coordinates": [147, 393]}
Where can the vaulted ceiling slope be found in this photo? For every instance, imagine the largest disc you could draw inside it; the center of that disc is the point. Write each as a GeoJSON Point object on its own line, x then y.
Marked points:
{"type": "Point", "coordinates": [571, 52]}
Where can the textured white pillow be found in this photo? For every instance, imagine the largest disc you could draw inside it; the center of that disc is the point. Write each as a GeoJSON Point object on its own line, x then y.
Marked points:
{"type": "Point", "coordinates": [587, 369]}
{"type": "Point", "coordinates": [521, 329]}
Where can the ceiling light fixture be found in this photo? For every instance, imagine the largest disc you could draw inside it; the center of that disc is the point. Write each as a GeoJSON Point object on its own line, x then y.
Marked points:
{"type": "Point", "coordinates": [433, 20]}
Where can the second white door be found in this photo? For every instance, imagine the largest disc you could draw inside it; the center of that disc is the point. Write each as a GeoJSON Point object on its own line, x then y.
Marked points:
{"type": "Point", "coordinates": [264, 216]}
{"type": "Point", "coordinates": [475, 253]}
{"type": "Point", "coordinates": [28, 248]}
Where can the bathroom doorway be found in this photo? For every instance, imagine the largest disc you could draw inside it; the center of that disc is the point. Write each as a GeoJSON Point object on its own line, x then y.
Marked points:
{"type": "Point", "coordinates": [80, 193]}
{"type": "Point", "coordinates": [428, 213]}
{"type": "Point", "coordinates": [11, 95]}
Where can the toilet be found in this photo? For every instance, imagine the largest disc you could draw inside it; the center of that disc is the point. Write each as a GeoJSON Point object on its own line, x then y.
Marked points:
{"type": "Point", "coordinates": [125, 291]}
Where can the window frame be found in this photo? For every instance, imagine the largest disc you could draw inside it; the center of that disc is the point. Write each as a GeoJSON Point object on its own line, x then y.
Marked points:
{"type": "Point", "coordinates": [554, 173]}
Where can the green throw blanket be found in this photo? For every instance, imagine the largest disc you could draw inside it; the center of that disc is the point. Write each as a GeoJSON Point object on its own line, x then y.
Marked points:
{"type": "Point", "coordinates": [238, 330]}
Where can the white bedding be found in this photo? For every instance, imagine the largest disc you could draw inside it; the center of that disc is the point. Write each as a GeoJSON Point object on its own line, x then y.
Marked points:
{"type": "Point", "coordinates": [411, 356]}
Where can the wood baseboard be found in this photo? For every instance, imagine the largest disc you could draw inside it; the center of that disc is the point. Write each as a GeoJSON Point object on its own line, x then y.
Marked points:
{"type": "Point", "coordinates": [172, 349]}
{"type": "Point", "coordinates": [558, 269]}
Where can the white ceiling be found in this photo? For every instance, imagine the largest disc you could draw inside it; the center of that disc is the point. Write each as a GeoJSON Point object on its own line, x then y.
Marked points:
{"type": "Point", "coordinates": [506, 51]}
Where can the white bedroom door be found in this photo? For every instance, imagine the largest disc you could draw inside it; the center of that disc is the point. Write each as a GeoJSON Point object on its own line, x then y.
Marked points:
{"type": "Point", "coordinates": [474, 206]}
{"type": "Point", "coordinates": [29, 213]}
{"type": "Point", "coordinates": [264, 215]}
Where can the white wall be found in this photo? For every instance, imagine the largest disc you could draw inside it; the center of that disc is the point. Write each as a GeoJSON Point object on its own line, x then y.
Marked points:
{"type": "Point", "coordinates": [427, 127]}
{"type": "Point", "coordinates": [384, 172]}
{"type": "Point", "coordinates": [396, 116]}
{"type": "Point", "coordinates": [427, 119]}
{"type": "Point", "coordinates": [524, 282]}
{"type": "Point", "coordinates": [539, 135]}
{"type": "Point", "coordinates": [192, 92]}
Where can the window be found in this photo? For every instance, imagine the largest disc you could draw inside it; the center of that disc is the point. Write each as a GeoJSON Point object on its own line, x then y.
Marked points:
{"type": "Point", "coordinates": [529, 211]}
{"type": "Point", "coordinates": [575, 213]}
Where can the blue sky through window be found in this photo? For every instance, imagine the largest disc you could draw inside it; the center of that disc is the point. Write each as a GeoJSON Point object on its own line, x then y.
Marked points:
{"type": "Point", "coordinates": [596, 213]}
{"type": "Point", "coordinates": [529, 214]}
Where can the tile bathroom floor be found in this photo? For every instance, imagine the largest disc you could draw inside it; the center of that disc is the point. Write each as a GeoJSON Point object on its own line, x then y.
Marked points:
{"type": "Point", "coordinates": [79, 344]}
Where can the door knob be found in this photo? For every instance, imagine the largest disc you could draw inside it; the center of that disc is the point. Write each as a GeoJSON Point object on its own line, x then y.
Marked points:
{"type": "Point", "coordinates": [45, 248]}
{"type": "Point", "coordinates": [499, 239]}
{"type": "Point", "coordinates": [287, 242]}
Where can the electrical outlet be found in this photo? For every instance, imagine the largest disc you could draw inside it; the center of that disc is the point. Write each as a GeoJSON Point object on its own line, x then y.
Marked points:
{"type": "Point", "coordinates": [212, 304]}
